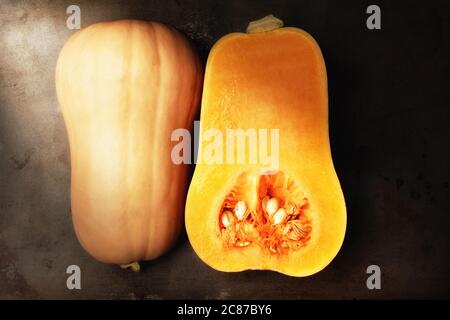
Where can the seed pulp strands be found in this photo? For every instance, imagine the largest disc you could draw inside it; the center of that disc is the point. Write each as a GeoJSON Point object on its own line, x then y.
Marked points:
{"type": "Point", "coordinates": [276, 224]}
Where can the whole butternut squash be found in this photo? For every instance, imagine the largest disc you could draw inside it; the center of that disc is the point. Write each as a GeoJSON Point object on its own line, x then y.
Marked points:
{"type": "Point", "coordinates": [123, 87]}
{"type": "Point", "coordinates": [242, 215]}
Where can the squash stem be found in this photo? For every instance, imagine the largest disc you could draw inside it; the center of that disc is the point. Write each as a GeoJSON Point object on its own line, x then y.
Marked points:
{"type": "Point", "coordinates": [268, 23]}
{"type": "Point", "coordinates": [134, 266]}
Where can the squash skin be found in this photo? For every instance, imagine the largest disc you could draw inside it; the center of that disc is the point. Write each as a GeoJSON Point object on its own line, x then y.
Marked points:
{"type": "Point", "coordinates": [278, 80]}
{"type": "Point", "coordinates": [123, 87]}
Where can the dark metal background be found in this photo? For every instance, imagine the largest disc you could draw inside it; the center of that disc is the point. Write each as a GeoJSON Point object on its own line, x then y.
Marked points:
{"type": "Point", "coordinates": [390, 134]}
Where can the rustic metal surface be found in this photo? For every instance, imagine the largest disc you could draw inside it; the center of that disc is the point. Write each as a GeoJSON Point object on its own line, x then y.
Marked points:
{"type": "Point", "coordinates": [390, 134]}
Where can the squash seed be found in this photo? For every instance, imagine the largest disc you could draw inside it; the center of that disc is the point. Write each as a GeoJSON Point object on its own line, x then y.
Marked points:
{"type": "Point", "coordinates": [227, 218]}
{"type": "Point", "coordinates": [279, 216]}
{"type": "Point", "coordinates": [243, 243]}
{"type": "Point", "coordinates": [272, 206]}
{"type": "Point", "coordinates": [240, 209]}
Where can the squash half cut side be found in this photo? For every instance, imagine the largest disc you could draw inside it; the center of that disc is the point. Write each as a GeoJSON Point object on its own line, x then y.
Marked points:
{"type": "Point", "coordinates": [242, 215]}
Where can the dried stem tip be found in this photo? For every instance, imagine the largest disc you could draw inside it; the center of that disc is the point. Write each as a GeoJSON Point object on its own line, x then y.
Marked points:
{"type": "Point", "coordinates": [268, 23]}
{"type": "Point", "coordinates": [133, 266]}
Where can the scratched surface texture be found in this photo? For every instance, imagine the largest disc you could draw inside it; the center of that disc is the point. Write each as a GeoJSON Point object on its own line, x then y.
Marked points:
{"type": "Point", "coordinates": [390, 135]}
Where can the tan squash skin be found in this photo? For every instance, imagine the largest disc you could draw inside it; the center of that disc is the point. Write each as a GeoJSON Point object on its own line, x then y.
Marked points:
{"type": "Point", "coordinates": [274, 79]}
{"type": "Point", "coordinates": [123, 87]}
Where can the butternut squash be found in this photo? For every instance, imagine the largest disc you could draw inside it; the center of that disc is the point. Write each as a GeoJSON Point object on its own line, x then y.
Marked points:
{"type": "Point", "coordinates": [239, 216]}
{"type": "Point", "coordinates": [123, 87]}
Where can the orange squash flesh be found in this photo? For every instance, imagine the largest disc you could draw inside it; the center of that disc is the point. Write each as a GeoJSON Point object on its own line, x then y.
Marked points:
{"type": "Point", "coordinates": [272, 79]}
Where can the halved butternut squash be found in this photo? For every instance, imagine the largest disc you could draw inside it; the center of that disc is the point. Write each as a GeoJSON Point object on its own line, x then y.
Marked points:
{"type": "Point", "coordinates": [247, 215]}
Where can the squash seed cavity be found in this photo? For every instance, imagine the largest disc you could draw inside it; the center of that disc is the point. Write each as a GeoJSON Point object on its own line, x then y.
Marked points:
{"type": "Point", "coordinates": [274, 215]}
